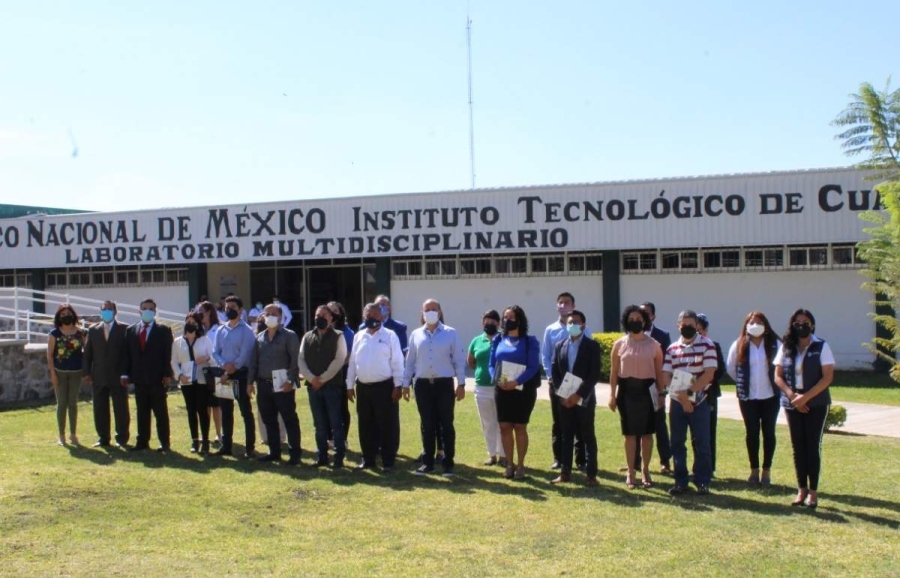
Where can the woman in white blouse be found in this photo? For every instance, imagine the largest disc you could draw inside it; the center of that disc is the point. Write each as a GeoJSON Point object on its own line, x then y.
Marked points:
{"type": "Point", "coordinates": [750, 365]}
{"type": "Point", "coordinates": [190, 354]}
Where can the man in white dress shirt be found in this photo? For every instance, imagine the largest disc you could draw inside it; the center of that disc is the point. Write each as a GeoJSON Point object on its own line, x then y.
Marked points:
{"type": "Point", "coordinates": [376, 367]}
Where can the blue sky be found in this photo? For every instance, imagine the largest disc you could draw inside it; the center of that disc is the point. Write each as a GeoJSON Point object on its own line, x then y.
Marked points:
{"type": "Point", "coordinates": [224, 102]}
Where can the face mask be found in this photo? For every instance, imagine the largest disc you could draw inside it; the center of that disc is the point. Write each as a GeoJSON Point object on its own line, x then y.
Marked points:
{"type": "Point", "coordinates": [148, 315]}
{"type": "Point", "coordinates": [338, 322]}
{"type": "Point", "coordinates": [510, 324]}
{"type": "Point", "coordinates": [574, 329]}
{"type": "Point", "coordinates": [372, 323]}
{"type": "Point", "coordinates": [564, 309]}
{"type": "Point", "coordinates": [385, 312]}
{"type": "Point", "coordinates": [756, 330]}
{"type": "Point", "coordinates": [801, 330]}
{"type": "Point", "coordinates": [232, 314]}
{"type": "Point", "coordinates": [321, 323]}
{"type": "Point", "coordinates": [635, 326]}
{"type": "Point", "coordinates": [688, 332]}
{"type": "Point", "coordinates": [272, 321]}
{"type": "Point", "coordinates": [67, 319]}
{"type": "Point", "coordinates": [107, 315]}
{"type": "Point", "coordinates": [431, 317]}
{"type": "Point", "coordinates": [190, 328]}
{"type": "Point", "coordinates": [490, 329]}
{"type": "Point", "coordinates": [259, 306]}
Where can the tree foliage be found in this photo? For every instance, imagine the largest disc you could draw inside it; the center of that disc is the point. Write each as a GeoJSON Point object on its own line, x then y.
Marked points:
{"type": "Point", "coordinates": [871, 124]}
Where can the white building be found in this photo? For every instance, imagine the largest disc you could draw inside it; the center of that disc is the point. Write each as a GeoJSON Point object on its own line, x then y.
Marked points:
{"type": "Point", "coordinates": [723, 245]}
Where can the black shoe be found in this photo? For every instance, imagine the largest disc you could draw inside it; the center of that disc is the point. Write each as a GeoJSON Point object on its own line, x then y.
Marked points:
{"type": "Point", "coordinates": [249, 454]}
{"type": "Point", "coordinates": [364, 466]}
{"type": "Point", "coordinates": [320, 463]}
{"type": "Point", "coordinates": [121, 445]}
{"type": "Point", "coordinates": [204, 448]}
{"type": "Point", "coordinates": [448, 472]}
{"type": "Point", "coordinates": [217, 444]}
{"type": "Point", "coordinates": [703, 489]}
{"type": "Point", "coordinates": [555, 465]}
{"type": "Point", "coordinates": [163, 449]}
{"type": "Point", "coordinates": [581, 467]}
{"type": "Point", "coordinates": [294, 461]}
{"type": "Point", "coordinates": [677, 490]}
{"type": "Point", "coordinates": [195, 447]}
{"type": "Point", "coordinates": [223, 452]}
{"type": "Point", "coordinates": [387, 469]}
{"type": "Point", "coordinates": [337, 465]}
{"type": "Point", "coordinates": [138, 448]}
{"type": "Point", "coordinates": [101, 444]}
{"type": "Point", "coordinates": [269, 458]}
{"type": "Point", "coordinates": [423, 470]}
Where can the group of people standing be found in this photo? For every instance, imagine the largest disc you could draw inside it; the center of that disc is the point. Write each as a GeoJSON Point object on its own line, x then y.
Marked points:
{"type": "Point", "coordinates": [217, 364]}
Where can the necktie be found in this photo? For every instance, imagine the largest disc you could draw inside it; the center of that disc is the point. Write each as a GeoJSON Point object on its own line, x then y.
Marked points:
{"type": "Point", "coordinates": [144, 336]}
{"type": "Point", "coordinates": [106, 331]}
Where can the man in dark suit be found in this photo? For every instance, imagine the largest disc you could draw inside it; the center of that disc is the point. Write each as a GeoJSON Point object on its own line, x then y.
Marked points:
{"type": "Point", "coordinates": [581, 356]}
{"type": "Point", "coordinates": [148, 364]}
{"type": "Point", "coordinates": [102, 366]}
{"type": "Point", "coordinates": [663, 446]}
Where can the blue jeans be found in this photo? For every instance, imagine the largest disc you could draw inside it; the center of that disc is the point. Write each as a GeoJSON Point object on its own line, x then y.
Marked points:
{"type": "Point", "coordinates": [326, 410]}
{"type": "Point", "coordinates": [698, 421]}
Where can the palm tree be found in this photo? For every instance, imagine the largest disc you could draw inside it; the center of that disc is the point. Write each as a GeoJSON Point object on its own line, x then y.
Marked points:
{"type": "Point", "coordinates": [872, 126]}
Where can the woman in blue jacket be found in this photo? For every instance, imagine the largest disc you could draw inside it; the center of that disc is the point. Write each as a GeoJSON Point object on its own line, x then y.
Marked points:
{"type": "Point", "coordinates": [515, 395]}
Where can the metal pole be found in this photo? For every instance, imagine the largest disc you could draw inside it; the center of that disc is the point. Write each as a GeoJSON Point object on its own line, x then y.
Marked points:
{"type": "Point", "coordinates": [471, 117]}
{"type": "Point", "coordinates": [16, 311]}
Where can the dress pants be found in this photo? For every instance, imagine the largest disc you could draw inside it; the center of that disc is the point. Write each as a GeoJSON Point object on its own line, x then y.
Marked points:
{"type": "Point", "coordinates": [151, 399]}
{"type": "Point", "coordinates": [435, 400]}
{"type": "Point", "coordinates": [807, 430]}
{"type": "Point", "coordinates": [243, 401]}
{"type": "Point", "coordinates": [273, 404]}
{"type": "Point", "coordinates": [378, 419]}
{"type": "Point", "coordinates": [487, 411]}
{"type": "Point", "coordinates": [578, 421]}
{"type": "Point", "coordinates": [101, 400]}
{"type": "Point", "coordinates": [556, 432]}
{"type": "Point", "coordinates": [760, 415]}
{"type": "Point", "coordinates": [698, 422]}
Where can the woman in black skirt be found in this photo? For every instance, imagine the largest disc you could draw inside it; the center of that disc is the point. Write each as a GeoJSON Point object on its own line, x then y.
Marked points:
{"type": "Point", "coordinates": [634, 373]}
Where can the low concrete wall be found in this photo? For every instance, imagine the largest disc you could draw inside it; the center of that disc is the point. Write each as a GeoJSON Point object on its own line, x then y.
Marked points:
{"type": "Point", "coordinates": [23, 372]}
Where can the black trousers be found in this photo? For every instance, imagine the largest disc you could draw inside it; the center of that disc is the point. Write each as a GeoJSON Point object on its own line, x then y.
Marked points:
{"type": "Point", "coordinates": [806, 438]}
{"type": "Point", "coordinates": [151, 399]}
{"type": "Point", "coordinates": [243, 401]}
{"type": "Point", "coordinates": [271, 405]}
{"type": "Point", "coordinates": [578, 421]}
{"type": "Point", "coordinates": [663, 445]}
{"type": "Point", "coordinates": [760, 414]}
{"type": "Point", "coordinates": [713, 403]}
{"type": "Point", "coordinates": [556, 432]}
{"type": "Point", "coordinates": [101, 401]}
{"type": "Point", "coordinates": [436, 401]}
{"type": "Point", "coordinates": [378, 419]}
{"type": "Point", "coordinates": [345, 410]}
{"type": "Point", "coordinates": [196, 400]}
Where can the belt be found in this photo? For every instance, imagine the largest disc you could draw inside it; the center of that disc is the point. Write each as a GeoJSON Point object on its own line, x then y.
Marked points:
{"type": "Point", "coordinates": [432, 380]}
{"type": "Point", "coordinates": [389, 380]}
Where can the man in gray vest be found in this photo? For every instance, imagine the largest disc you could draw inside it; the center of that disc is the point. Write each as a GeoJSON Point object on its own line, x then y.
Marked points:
{"type": "Point", "coordinates": [322, 354]}
{"type": "Point", "coordinates": [274, 369]}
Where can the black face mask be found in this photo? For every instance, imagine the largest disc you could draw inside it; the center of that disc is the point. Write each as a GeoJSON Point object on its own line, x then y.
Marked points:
{"type": "Point", "coordinates": [635, 327]}
{"type": "Point", "coordinates": [372, 323]}
{"type": "Point", "coordinates": [510, 324]}
{"type": "Point", "coordinates": [338, 321]}
{"type": "Point", "coordinates": [232, 314]}
{"type": "Point", "coordinates": [688, 332]}
{"type": "Point", "coordinates": [190, 328]}
{"type": "Point", "coordinates": [490, 329]}
{"type": "Point", "coordinates": [801, 330]}
{"type": "Point", "coordinates": [67, 319]}
{"type": "Point", "coordinates": [321, 323]}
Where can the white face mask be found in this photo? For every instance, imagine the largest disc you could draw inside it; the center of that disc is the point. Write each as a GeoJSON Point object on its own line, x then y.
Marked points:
{"type": "Point", "coordinates": [756, 330]}
{"type": "Point", "coordinates": [272, 321]}
{"type": "Point", "coordinates": [431, 317]}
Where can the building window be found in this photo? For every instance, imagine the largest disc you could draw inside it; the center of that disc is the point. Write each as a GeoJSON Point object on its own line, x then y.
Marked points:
{"type": "Point", "coordinates": [475, 267]}
{"type": "Point", "coordinates": [441, 267]}
{"type": "Point", "coordinates": [639, 262]}
{"type": "Point", "coordinates": [843, 255]}
{"type": "Point", "coordinates": [13, 278]}
{"type": "Point", "coordinates": [116, 276]}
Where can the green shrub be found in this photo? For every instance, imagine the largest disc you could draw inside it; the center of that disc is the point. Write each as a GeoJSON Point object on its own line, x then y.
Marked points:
{"type": "Point", "coordinates": [606, 341]}
{"type": "Point", "coordinates": [837, 415]}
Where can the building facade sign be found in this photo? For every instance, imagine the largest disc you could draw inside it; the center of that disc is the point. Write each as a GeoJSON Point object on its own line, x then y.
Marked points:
{"type": "Point", "coordinates": [773, 208]}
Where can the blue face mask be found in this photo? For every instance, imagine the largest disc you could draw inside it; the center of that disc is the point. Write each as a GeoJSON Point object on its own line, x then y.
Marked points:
{"type": "Point", "coordinates": [574, 329]}
{"type": "Point", "coordinates": [385, 312]}
{"type": "Point", "coordinates": [107, 315]}
{"type": "Point", "coordinates": [148, 315]}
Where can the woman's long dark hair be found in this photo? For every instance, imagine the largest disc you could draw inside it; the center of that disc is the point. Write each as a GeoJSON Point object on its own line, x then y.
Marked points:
{"type": "Point", "coordinates": [770, 338]}
{"type": "Point", "coordinates": [789, 340]}
{"type": "Point", "coordinates": [520, 317]}
{"type": "Point", "coordinates": [197, 319]}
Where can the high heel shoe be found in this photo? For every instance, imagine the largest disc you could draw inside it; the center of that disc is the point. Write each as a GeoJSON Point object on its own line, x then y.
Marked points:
{"type": "Point", "coordinates": [646, 480]}
{"type": "Point", "coordinates": [812, 502]}
{"type": "Point", "coordinates": [509, 472]}
{"type": "Point", "coordinates": [801, 496]}
{"type": "Point", "coordinates": [629, 482]}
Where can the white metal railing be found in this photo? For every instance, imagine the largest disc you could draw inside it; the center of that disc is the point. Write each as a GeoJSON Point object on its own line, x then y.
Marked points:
{"type": "Point", "coordinates": [16, 305]}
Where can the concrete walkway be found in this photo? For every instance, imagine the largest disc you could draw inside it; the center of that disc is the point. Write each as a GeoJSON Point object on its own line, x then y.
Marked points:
{"type": "Point", "coordinates": [862, 418]}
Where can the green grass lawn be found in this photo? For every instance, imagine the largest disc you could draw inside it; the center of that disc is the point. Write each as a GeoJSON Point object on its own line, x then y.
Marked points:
{"type": "Point", "coordinates": [855, 386]}
{"type": "Point", "coordinates": [87, 512]}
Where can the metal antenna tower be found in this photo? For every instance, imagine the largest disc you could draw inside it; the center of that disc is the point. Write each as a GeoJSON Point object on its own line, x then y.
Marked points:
{"type": "Point", "coordinates": [471, 118]}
